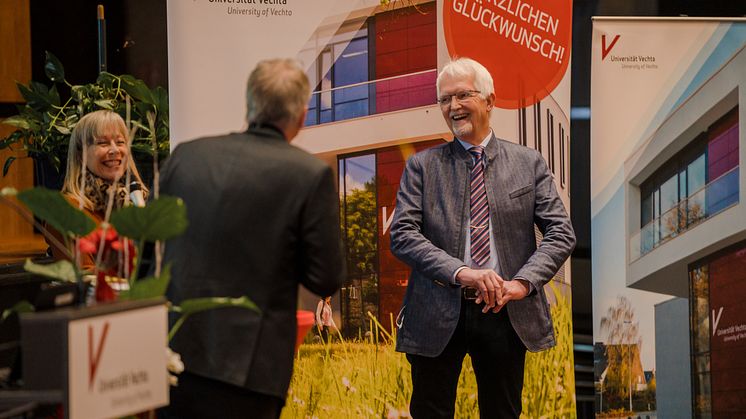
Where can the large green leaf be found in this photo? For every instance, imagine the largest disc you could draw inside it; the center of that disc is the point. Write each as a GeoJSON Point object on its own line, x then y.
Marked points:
{"type": "Point", "coordinates": [20, 307]}
{"type": "Point", "coordinates": [63, 129]}
{"type": "Point", "coordinates": [105, 103]}
{"type": "Point", "coordinates": [7, 164]}
{"type": "Point", "coordinates": [51, 207]}
{"type": "Point", "coordinates": [106, 78]}
{"type": "Point", "coordinates": [62, 270]}
{"type": "Point", "coordinates": [149, 287]}
{"type": "Point", "coordinates": [54, 96]}
{"type": "Point", "coordinates": [195, 305]}
{"type": "Point", "coordinates": [17, 121]}
{"type": "Point", "coordinates": [38, 101]}
{"type": "Point", "coordinates": [161, 100]}
{"type": "Point", "coordinates": [137, 89]}
{"type": "Point", "coordinates": [161, 219]}
{"type": "Point", "coordinates": [53, 68]}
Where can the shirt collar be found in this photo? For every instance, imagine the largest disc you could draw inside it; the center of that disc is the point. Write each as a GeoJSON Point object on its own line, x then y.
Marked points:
{"type": "Point", "coordinates": [469, 146]}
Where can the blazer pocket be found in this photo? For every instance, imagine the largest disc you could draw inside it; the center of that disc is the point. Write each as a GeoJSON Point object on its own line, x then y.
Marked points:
{"type": "Point", "coordinates": [521, 191]}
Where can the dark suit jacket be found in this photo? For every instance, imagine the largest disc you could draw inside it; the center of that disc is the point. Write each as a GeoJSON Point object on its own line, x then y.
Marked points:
{"type": "Point", "coordinates": [429, 234]}
{"type": "Point", "coordinates": [263, 218]}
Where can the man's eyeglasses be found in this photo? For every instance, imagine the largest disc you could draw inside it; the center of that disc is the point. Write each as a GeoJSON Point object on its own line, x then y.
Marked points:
{"type": "Point", "coordinates": [461, 96]}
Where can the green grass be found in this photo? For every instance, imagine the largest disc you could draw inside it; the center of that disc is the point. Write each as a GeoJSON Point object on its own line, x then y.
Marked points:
{"type": "Point", "coordinates": [368, 379]}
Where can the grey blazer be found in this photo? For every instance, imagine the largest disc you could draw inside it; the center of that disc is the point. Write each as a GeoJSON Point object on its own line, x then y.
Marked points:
{"type": "Point", "coordinates": [263, 218]}
{"type": "Point", "coordinates": [428, 233]}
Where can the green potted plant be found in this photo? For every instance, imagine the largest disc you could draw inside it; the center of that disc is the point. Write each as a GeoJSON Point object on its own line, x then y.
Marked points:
{"type": "Point", "coordinates": [45, 121]}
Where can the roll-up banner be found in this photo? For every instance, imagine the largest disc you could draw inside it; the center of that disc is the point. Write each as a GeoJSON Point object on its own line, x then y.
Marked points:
{"type": "Point", "coordinates": [668, 216]}
{"type": "Point", "coordinates": [373, 70]}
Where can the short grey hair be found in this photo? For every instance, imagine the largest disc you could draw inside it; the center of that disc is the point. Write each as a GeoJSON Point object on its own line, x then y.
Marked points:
{"type": "Point", "coordinates": [277, 92]}
{"type": "Point", "coordinates": [466, 67]}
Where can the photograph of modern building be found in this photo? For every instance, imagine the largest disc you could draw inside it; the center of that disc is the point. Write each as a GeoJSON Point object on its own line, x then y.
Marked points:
{"type": "Point", "coordinates": [686, 237]}
{"type": "Point", "coordinates": [373, 106]}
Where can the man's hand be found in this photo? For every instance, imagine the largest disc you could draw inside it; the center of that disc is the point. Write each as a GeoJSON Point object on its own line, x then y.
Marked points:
{"type": "Point", "coordinates": [486, 281]}
{"type": "Point", "coordinates": [512, 290]}
{"type": "Point", "coordinates": [516, 289]}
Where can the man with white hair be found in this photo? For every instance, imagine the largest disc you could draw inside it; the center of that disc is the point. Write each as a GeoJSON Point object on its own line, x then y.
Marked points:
{"type": "Point", "coordinates": [263, 218]}
{"type": "Point", "coordinates": [464, 223]}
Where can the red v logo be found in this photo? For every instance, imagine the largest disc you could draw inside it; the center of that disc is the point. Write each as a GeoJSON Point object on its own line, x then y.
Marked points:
{"type": "Point", "coordinates": [94, 355]}
{"type": "Point", "coordinates": [606, 50]}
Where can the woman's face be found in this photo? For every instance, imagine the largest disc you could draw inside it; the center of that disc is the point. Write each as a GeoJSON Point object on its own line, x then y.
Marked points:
{"type": "Point", "coordinates": [107, 156]}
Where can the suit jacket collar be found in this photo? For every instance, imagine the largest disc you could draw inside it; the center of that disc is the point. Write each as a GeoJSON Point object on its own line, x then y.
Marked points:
{"type": "Point", "coordinates": [266, 130]}
{"type": "Point", "coordinates": [491, 151]}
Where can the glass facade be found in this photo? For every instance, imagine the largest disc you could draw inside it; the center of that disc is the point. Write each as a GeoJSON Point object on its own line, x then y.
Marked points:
{"type": "Point", "coordinates": [699, 308]}
{"type": "Point", "coordinates": [342, 64]}
{"type": "Point", "coordinates": [376, 280]}
{"type": "Point", "coordinates": [384, 64]}
{"type": "Point", "coordinates": [697, 183]}
{"type": "Point", "coordinates": [357, 186]}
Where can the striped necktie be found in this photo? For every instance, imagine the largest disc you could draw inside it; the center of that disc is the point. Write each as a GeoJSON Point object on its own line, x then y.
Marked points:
{"type": "Point", "coordinates": [479, 211]}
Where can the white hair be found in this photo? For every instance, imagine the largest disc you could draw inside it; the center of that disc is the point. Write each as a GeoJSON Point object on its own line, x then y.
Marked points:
{"type": "Point", "coordinates": [277, 92]}
{"type": "Point", "coordinates": [466, 67]}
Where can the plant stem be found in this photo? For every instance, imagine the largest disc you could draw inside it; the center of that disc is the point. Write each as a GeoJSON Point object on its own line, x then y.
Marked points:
{"type": "Point", "coordinates": [119, 87]}
{"type": "Point", "coordinates": [176, 326]}
{"type": "Point", "coordinates": [54, 119]}
{"type": "Point", "coordinates": [140, 249]}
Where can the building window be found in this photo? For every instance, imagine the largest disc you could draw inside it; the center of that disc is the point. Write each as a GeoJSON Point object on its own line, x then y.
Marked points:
{"type": "Point", "coordinates": [359, 224]}
{"type": "Point", "coordinates": [342, 65]}
{"type": "Point", "coordinates": [699, 308]}
{"type": "Point", "coordinates": [382, 64]}
{"type": "Point", "coordinates": [376, 280]}
{"type": "Point", "coordinates": [699, 182]}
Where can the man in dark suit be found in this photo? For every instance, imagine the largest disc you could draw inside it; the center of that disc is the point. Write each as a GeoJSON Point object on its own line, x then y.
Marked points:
{"type": "Point", "coordinates": [263, 218]}
{"type": "Point", "coordinates": [464, 223]}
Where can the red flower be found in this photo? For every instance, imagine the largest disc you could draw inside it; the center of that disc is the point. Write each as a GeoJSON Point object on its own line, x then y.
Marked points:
{"type": "Point", "coordinates": [90, 243]}
{"type": "Point", "coordinates": [111, 258]}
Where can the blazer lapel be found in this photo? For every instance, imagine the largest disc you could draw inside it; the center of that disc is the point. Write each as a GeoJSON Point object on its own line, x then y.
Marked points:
{"type": "Point", "coordinates": [495, 172]}
{"type": "Point", "coordinates": [461, 175]}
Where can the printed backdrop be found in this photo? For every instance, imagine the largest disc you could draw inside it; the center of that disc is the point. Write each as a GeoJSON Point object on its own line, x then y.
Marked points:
{"type": "Point", "coordinates": [665, 95]}
{"type": "Point", "coordinates": [373, 71]}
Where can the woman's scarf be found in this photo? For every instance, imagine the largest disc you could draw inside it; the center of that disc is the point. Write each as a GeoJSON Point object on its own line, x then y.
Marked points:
{"type": "Point", "coordinates": [97, 191]}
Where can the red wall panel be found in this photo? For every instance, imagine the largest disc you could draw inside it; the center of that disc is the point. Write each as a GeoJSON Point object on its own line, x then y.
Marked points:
{"type": "Point", "coordinates": [405, 43]}
{"type": "Point", "coordinates": [728, 343]}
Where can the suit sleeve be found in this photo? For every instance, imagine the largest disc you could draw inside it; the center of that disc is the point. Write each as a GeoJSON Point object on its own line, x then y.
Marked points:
{"type": "Point", "coordinates": [321, 248]}
{"type": "Point", "coordinates": [167, 170]}
{"type": "Point", "coordinates": [558, 236]}
{"type": "Point", "coordinates": [408, 242]}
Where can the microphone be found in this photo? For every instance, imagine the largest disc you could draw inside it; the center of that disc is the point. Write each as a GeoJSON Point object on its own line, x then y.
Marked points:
{"type": "Point", "coordinates": [136, 196]}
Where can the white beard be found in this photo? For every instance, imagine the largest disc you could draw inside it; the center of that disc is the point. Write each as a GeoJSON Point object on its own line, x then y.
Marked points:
{"type": "Point", "coordinates": [462, 129]}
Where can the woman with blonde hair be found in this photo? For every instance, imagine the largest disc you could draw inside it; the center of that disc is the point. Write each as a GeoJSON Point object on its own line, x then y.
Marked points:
{"type": "Point", "coordinates": [98, 159]}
